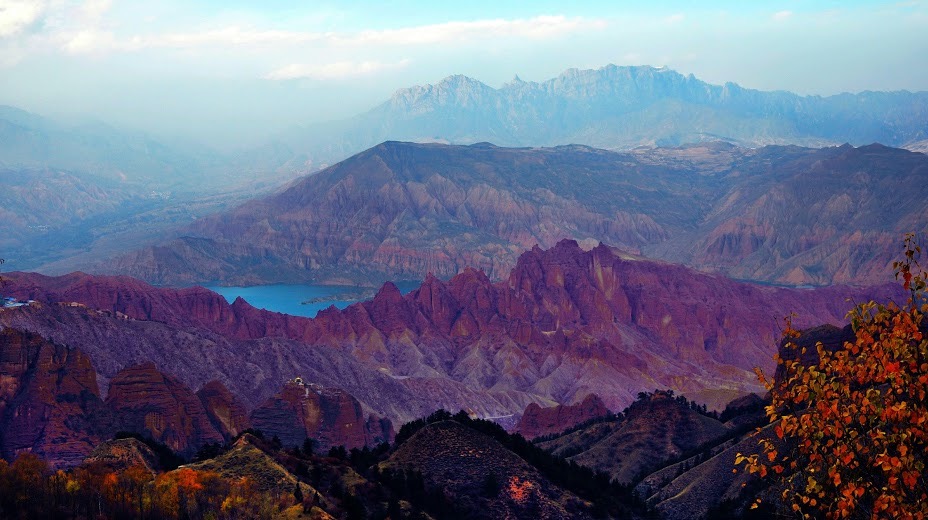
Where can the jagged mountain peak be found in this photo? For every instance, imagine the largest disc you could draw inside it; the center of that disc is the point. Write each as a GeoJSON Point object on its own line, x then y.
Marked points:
{"type": "Point", "coordinates": [453, 89]}
{"type": "Point", "coordinates": [460, 80]}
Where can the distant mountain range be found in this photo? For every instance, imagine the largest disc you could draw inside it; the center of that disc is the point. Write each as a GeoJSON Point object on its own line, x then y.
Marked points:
{"type": "Point", "coordinates": [778, 214]}
{"type": "Point", "coordinates": [120, 177]}
{"type": "Point", "coordinates": [619, 108]}
{"type": "Point", "coordinates": [612, 107]}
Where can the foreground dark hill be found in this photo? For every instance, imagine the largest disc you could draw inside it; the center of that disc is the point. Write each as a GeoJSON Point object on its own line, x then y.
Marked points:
{"type": "Point", "coordinates": [482, 477]}
{"type": "Point", "coordinates": [565, 323]}
{"type": "Point", "coordinates": [620, 108]}
{"type": "Point", "coordinates": [654, 430]}
{"type": "Point", "coordinates": [400, 210]}
{"type": "Point", "coordinates": [678, 457]}
{"type": "Point", "coordinates": [447, 467]}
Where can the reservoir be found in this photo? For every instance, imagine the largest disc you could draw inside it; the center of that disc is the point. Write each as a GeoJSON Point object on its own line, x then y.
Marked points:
{"type": "Point", "coordinates": [303, 300]}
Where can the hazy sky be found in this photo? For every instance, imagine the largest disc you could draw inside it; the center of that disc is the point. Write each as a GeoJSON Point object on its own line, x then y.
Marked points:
{"type": "Point", "coordinates": [230, 71]}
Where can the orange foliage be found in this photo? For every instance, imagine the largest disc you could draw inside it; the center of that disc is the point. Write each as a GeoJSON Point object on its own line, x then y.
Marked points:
{"type": "Point", "coordinates": [519, 490]}
{"type": "Point", "coordinates": [29, 490]}
{"type": "Point", "coordinates": [853, 429]}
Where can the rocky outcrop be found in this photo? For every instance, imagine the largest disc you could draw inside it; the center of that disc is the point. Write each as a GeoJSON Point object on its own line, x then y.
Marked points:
{"type": "Point", "coordinates": [803, 348]}
{"type": "Point", "coordinates": [225, 411]}
{"type": "Point", "coordinates": [127, 297]}
{"type": "Point", "coordinates": [119, 455]}
{"type": "Point", "coordinates": [746, 410]}
{"type": "Point", "coordinates": [161, 407]}
{"type": "Point", "coordinates": [49, 402]}
{"type": "Point", "coordinates": [537, 421]}
{"type": "Point", "coordinates": [329, 416]}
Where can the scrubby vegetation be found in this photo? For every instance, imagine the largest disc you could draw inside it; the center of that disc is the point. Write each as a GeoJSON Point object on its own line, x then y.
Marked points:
{"type": "Point", "coordinates": [607, 496]}
{"type": "Point", "coordinates": [28, 489]}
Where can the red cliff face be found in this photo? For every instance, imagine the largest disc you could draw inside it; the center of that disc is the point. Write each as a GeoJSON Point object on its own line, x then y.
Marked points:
{"type": "Point", "coordinates": [160, 406]}
{"type": "Point", "coordinates": [46, 394]}
{"type": "Point", "coordinates": [225, 411]}
{"type": "Point", "coordinates": [137, 300]}
{"type": "Point", "coordinates": [329, 416]}
{"type": "Point", "coordinates": [537, 421]}
{"type": "Point", "coordinates": [50, 404]}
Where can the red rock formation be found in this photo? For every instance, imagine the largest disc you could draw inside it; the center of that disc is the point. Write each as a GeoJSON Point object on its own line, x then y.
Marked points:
{"type": "Point", "coordinates": [225, 411]}
{"type": "Point", "coordinates": [329, 416]}
{"type": "Point", "coordinates": [537, 421]}
{"type": "Point", "coordinates": [567, 322]}
{"type": "Point", "coordinates": [46, 394]}
{"type": "Point", "coordinates": [158, 405]}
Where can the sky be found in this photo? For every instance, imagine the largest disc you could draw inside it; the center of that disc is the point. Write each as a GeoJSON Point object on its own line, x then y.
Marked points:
{"type": "Point", "coordinates": [231, 73]}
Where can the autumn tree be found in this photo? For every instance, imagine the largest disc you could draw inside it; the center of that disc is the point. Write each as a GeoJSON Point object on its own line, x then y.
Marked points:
{"type": "Point", "coordinates": [850, 432]}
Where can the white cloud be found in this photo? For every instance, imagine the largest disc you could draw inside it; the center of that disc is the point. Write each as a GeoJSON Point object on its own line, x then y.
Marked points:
{"type": "Point", "coordinates": [333, 71]}
{"type": "Point", "coordinates": [537, 28]}
{"type": "Point", "coordinates": [782, 15]}
{"type": "Point", "coordinates": [225, 36]}
{"type": "Point", "coordinates": [89, 41]}
{"type": "Point", "coordinates": [95, 9]}
{"type": "Point", "coordinates": [17, 15]}
{"type": "Point", "coordinates": [674, 18]}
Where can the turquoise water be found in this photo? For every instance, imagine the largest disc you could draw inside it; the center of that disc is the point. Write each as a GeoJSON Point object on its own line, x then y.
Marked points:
{"type": "Point", "coordinates": [289, 299]}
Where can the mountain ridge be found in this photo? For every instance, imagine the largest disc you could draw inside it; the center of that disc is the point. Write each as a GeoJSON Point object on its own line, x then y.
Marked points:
{"type": "Point", "coordinates": [624, 322]}
{"type": "Point", "coordinates": [623, 107]}
{"type": "Point", "coordinates": [777, 214]}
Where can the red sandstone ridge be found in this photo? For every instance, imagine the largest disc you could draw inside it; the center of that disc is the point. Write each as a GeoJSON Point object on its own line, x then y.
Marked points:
{"type": "Point", "coordinates": [130, 298]}
{"type": "Point", "coordinates": [566, 322]}
{"type": "Point", "coordinates": [134, 299]}
{"type": "Point", "coordinates": [225, 411]}
{"type": "Point", "coordinates": [46, 393]}
{"type": "Point", "coordinates": [329, 416]}
{"type": "Point", "coordinates": [537, 421]}
{"type": "Point", "coordinates": [160, 406]}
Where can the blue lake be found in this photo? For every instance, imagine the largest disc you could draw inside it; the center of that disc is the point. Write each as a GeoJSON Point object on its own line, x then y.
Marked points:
{"type": "Point", "coordinates": [302, 300]}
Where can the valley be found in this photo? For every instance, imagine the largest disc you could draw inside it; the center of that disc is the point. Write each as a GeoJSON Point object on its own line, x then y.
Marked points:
{"type": "Point", "coordinates": [280, 261]}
